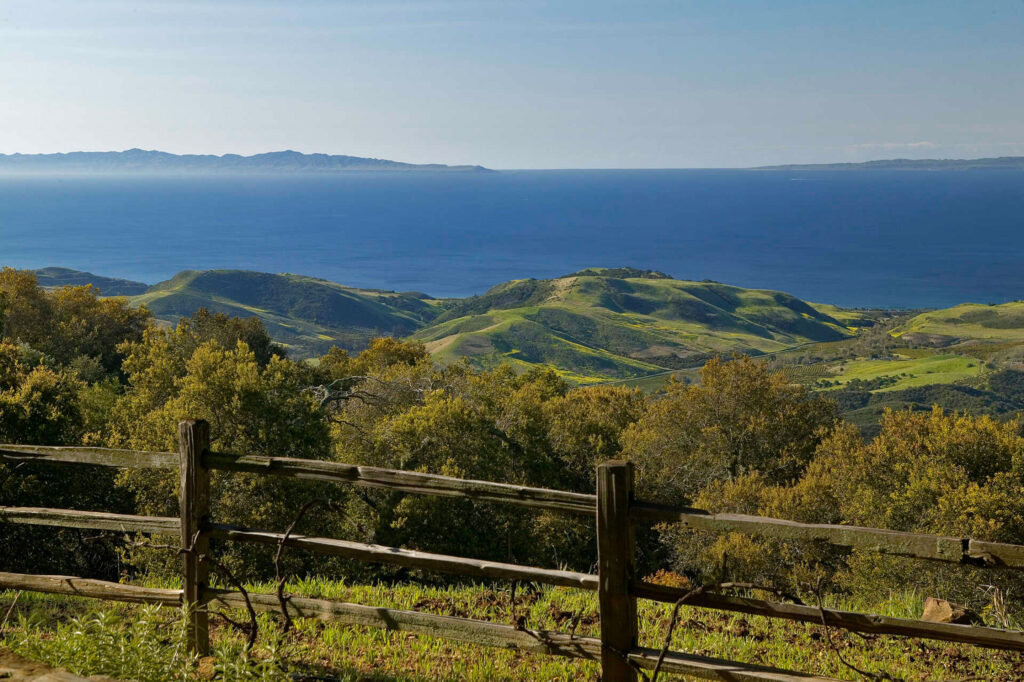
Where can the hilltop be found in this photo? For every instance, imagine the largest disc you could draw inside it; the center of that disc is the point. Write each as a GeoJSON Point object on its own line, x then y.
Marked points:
{"type": "Point", "coordinates": [1001, 162]}
{"type": "Point", "coordinates": [622, 323]}
{"type": "Point", "coordinates": [157, 162]}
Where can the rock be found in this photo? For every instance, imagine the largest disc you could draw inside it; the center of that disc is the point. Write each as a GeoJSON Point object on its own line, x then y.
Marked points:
{"type": "Point", "coordinates": [942, 611]}
{"type": "Point", "coordinates": [207, 668]}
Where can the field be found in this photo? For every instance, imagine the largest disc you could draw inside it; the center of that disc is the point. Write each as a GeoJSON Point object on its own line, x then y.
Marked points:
{"type": "Point", "coordinates": [903, 373]}
{"type": "Point", "coordinates": [127, 641]}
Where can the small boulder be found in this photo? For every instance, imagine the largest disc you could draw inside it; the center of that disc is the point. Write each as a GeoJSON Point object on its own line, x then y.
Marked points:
{"type": "Point", "coordinates": [942, 611]}
{"type": "Point", "coordinates": [206, 668]}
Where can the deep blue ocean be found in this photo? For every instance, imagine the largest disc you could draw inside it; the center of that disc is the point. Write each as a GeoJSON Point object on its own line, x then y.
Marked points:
{"type": "Point", "coordinates": [875, 238]}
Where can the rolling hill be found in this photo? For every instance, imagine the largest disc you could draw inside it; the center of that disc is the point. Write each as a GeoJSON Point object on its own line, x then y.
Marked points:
{"type": "Point", "coordinates": [594, 325]}
{"type": "Point", "coordinates": [305, 314]}
{"type": "Point", "coordinates": [974, 321]}
{"type": "Point", "coordinates": [598, 324]}
{"type": "Point", "coordinates": [108, 286]}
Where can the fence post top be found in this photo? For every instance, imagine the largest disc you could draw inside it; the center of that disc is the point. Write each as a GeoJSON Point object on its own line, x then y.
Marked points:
{"type": "Point", "coordinates": [615, 464]}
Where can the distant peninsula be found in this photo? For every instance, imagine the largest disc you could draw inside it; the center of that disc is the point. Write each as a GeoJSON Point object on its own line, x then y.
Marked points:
{"type": "Point", "coordinates": [1002, 162]}
{"type": "Point", "coordinates": [156, 162]}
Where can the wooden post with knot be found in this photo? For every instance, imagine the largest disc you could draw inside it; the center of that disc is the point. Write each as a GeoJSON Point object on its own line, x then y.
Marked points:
{"type": "Point", "coordinates": [193, 443]}
{"type": "Point", "coordinates": [615, 550]}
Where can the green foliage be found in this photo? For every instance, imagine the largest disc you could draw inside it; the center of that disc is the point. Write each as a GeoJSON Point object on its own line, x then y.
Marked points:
{"type": "Point", "coordinates": [252, 408]}
{"type": "Point", "coordinates": [58, 376]}
{"type": "Point", "coordinates": [37, 404]}
{"type": "Point", "coordinates": [70, 324]}
{"type": "Point", "coordinates": [148, 647]}
{"type": "Point", "coordinates": [741, 419]}
{"type": "Point", "coordinates": [151, 645]}
{"type": "Point", "coordinates": [928, 472]}
{"type": "Point", "coordinates": [404, 412]}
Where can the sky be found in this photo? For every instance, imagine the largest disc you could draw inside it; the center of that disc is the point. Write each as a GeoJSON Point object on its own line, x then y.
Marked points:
{"type": "Point", "coordinates": [518, 83]}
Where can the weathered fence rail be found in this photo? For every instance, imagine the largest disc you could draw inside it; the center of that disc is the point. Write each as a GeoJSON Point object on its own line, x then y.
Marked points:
{"type": "Point", "coordinates": [613, 507]}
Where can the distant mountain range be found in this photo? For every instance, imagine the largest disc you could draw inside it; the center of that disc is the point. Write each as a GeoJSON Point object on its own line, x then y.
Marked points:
{"type": "Point", "coordinates": [1002, 162]}
{"type": "Point", "coordinates": [156, 162]}
{"type": "Point", "coordinates": [165, 163]}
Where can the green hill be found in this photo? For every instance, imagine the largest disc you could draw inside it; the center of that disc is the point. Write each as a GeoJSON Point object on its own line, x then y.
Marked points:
{"type": "Point", "coordinates": [305, 314]}
{"type": "Point", "coordinates": [974, 321]}
{"type": "Point", "coordinates": [619, 323]}
{"type": "Point", "coordinates": [594, 325]}
{"type": "Point", "coordinates": [51, 278]}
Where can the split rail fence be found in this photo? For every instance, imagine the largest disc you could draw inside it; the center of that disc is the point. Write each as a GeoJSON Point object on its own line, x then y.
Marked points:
{"type": "Point", "coordinates": [614, 508]}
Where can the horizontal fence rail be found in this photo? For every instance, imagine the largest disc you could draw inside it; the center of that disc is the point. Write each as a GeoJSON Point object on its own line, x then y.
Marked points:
{"type": "Point", "coordinates": [87, 587]}
{"type": "Point", "coordinates": [71, 518]}
{"type": "Point", "coordinates": [991, 638]}
{"type": "Point", "coordinates": [486, 633]}
{"type": "Point", "coordinates": [382, 554]}
{"type": "Point", "coordinates": [614, 509]}
{"type": "Point", "coordinates": [107, 457]}
{"type": "Point", "coordinates": [896, 543]}
{"type": "Point", "coordinates": [406, 481]}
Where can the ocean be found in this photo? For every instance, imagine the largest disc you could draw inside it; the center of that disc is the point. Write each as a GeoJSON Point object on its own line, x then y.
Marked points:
{"type": "Point", "coordinates": [866, 238]}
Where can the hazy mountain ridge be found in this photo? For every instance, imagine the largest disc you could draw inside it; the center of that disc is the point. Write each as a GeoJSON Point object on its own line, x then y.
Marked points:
{"type": "Point", "coordinates": [1001, 162]}
{"type": "Point", "coordinates": [157, 162]}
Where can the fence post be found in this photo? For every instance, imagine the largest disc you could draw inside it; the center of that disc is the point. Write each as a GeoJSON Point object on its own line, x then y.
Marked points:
{"type": "Point", "coordinates": [615, 570]}
{"type": "Point", "coordinates": [193, 442]}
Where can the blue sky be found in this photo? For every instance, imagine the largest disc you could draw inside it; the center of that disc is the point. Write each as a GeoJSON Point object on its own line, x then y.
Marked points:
{"type": "Point", "coordinates": [518, 83]}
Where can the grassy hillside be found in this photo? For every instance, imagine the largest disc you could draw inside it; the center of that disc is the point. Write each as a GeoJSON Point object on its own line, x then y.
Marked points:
{"type": "Point", "coordinates": [599, 324]}
{"type": "Point", "coordinates": [108, 286]}
{"type": "Point", "coordinates": [306, 314]}
{"type": "Point", "coordinates": [969, 321]}
{"type": "Point", "coordinates": [595, 325]}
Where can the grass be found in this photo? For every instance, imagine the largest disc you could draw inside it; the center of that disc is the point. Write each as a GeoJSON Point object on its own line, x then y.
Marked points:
{"type": "Point", "coordinates": [144, 643]}
{"type": "Point", "coordinates": [907, 372]}
{"type": "Point", "coordinates": [971, 321]}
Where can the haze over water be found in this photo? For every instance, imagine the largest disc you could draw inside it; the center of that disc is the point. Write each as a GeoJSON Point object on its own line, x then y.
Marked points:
{"type": "Point", "coordinates": [872, 238]}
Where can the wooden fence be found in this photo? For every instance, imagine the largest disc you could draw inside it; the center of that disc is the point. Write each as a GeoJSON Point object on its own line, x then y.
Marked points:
{"type": "Point", "coordinates": [614, 508]}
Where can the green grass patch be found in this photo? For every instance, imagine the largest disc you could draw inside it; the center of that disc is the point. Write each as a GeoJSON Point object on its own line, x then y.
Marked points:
{"type": "Point", "coordinates": [895, 375]}
{"type": "Point", "coordinates": [145, 643]}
